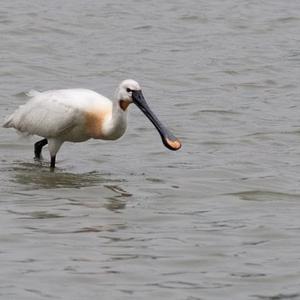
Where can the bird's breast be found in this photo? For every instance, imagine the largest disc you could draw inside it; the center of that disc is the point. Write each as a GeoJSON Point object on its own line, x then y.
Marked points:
{"type": "Point", "coordinates": [95, 122]}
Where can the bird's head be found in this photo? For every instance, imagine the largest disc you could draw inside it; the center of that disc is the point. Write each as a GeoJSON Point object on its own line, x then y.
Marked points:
{"type": "Point", "coordinates": [125, 92]}
{"type": "Point", "coordinates": [129, 91]}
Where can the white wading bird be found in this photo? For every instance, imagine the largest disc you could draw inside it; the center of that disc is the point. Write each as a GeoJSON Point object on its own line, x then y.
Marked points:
{"type": "Point", "coordinates": [76, 115]}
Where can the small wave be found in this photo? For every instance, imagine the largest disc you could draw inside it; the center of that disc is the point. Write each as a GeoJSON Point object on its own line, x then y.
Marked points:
{"type": "Point", "coordinates": [219, 111]}
{"type": "Point", "coordinates": [260, 195]}
{"type": "Point", "coordinates": [144, 27]}
{"type": "Point", "coordinates": [267, 133]}
{"type": "Point", "coordinates": [277, 296]}
{"type": "Point", "coordinates": [286, 19]}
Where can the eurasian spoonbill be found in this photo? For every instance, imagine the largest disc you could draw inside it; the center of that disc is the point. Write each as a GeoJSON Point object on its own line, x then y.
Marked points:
{"type": "Point", "coordinates": [76, 115]}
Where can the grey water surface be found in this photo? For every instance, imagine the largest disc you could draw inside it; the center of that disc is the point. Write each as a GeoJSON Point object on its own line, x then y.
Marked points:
{"type": "Point", "coordinates": [219, 219]}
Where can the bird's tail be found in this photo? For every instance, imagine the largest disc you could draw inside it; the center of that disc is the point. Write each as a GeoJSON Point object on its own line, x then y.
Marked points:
{"type": "Point", "coordinates": [8, 122]}
{"type": "Point", "coordinates": [32, 93]}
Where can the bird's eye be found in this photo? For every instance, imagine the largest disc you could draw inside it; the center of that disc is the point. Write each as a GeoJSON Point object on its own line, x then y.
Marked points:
{"type": "Point", "coordinates": [128, 90]}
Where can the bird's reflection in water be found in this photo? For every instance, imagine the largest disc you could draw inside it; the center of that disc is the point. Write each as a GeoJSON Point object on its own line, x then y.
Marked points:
{"type": "Point", "coordinates": [115, 198]}
{"type": "Point", "coordinates": [96, 189]}
{"type": "Point", "coordinates": [36, 176]}
{"type": "Point", "coordinates": [117, 202]}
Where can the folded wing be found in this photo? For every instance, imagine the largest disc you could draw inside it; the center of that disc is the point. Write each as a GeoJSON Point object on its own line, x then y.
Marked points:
{"type": "Point", "coordinates": [45, 114]}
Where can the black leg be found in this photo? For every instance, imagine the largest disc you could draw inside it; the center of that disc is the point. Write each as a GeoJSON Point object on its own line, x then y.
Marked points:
{"type": "Point", "coordinates": [52, 165]}
{"type": "Point", "coordinates": [38, 147]}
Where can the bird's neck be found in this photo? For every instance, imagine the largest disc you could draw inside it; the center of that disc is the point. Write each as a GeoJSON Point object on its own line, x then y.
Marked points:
{"type": "Point", "coordinates": [118, 108]}
{"type": "Point", "coordinates": [118, 122]}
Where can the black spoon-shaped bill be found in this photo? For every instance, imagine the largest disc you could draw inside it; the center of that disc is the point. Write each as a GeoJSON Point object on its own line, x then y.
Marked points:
{"type": "Point", "coordinates": [168, 139]}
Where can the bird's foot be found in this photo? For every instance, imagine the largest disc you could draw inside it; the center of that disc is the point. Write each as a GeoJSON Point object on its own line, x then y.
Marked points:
{"type": "Point", "coordinates": [38, 158]}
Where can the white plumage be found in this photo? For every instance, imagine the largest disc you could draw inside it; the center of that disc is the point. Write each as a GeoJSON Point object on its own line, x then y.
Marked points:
{"type": "Point", "coordinates": [76, 115]}
{"type": "Point", "coordinates": [55, 113]}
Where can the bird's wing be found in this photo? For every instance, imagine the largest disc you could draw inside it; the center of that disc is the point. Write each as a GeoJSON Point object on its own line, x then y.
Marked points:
{"type": "Point", "coordinates": [47, 115]}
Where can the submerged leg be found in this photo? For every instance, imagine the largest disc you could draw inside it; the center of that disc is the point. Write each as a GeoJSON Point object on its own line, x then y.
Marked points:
{"type": "Point", "coordinates": [38, 148]}
{"type": "Point", "coordinates": [52, 164]}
